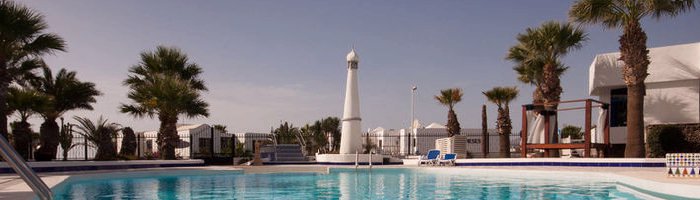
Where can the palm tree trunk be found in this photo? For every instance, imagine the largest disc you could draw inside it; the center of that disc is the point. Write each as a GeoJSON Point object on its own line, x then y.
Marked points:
{"type": "Point", "coordinates": [504, 128]}
{"type": "Point", "coordinates": [550, 87]}
{"type": "Point", "coordinates": [634, 52]}
{"type": "Point", "coordinates": [635, 122]}
{"type": "Point", "coordinates": [23, 138]}
{"type": "Point", "coordinates": [484, 133]}
{"type": "Point", "coordinates": [48, 140]}
{"type": "Point", "coordinates": [168, 137]}
{"type": "Point", "coordinates": [453, 127]}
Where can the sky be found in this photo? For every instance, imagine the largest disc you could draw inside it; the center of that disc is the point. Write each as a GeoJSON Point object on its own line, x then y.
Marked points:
{"type": "Point", "coordinates": [271, 61]}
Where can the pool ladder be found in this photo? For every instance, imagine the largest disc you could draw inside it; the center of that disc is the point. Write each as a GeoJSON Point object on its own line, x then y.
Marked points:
{"type": "Point", "coordinates": [23, 170]}
{"type": "Point", "coordinates": [357, 159]}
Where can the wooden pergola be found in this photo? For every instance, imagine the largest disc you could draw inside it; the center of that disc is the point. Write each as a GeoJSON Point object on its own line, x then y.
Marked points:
{"type": "Point", "coordinates": [587, 145]}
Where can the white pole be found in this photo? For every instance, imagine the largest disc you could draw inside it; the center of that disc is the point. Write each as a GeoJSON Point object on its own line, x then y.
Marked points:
{"type": "Point", "coordinates": [357, 158]}
{"type": "Point", "coordinates": [413, 117]}
{"type": "Point", "coordinates": [370, 159]}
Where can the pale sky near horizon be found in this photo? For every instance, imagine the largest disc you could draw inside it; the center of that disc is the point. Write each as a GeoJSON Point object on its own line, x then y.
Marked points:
{"type": "Point", "coordinates": [271, 61]}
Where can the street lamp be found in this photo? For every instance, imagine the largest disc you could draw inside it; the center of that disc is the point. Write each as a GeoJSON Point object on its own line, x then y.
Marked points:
{"type": "Point", "coordinates": [413, 117]}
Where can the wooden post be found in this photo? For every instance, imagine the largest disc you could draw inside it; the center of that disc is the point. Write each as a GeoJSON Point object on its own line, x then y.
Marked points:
{"type": "Point", "coordinates": [587, 132]}
{"type": "Point", "coordinates": [546, 132]}
{"type": "Point", "coordinates": [523, 135]}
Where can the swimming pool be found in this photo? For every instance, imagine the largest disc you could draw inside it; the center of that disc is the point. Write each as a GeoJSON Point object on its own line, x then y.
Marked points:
{"type": "Point", "coordinates": [400, 183]}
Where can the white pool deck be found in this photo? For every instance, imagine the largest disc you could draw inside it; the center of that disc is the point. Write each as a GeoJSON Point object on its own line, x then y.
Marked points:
{"type": "Point", "coordinates": [646, 178]}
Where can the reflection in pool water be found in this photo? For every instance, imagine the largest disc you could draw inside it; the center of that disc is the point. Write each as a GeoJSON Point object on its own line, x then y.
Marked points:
{"type": "Point", "coordinates": [339, 184]}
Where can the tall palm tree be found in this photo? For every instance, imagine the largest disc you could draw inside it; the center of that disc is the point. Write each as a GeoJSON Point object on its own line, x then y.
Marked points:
{"type": "Point", "coordinates": [25, 102]}
{"type": "Point", "coordinates": [167, 69]}
{"type": "Point", "coordinates": [449, 98]}
{"type": "Point", "coordinates": [165, 97]}
{"type": "Point", "coordinates": [537, 56]}
{"type": "Point", "coordinates": [22, 42]}
{"type": "Point", "coordinates": [502, 96]}
{"type": "Point", "coordinates": [65, 92]}
{"type": "Point", "coordinates": [627, 14]}
{"type": "Point", "coordinates": [99, 134]}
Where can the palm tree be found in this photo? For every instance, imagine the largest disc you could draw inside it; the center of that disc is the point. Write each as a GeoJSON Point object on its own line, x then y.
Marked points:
{"type": "Point", "coordinates": [99, 134]}
{"type": "Point", "coordinates": [65, 92]}
{"type": "Point", "coordinates": [449, 98]}
{"type": "Point", "coordinates": [627, 14]}
{"type": "Point", "coordinates": [22, 42]}
{"type": "Point", "coordinates": [25, 102]}
{"type": "Point", "coordinates": [530, 71]}
{"type": "Point", "coordinates": [165, 84]}
{"type": "Point", "coordinates": [286, 133]}
{"type": "Point", "coordinates": [502, 96]}
{"type": "Point", "coordinates": [537, 56]}
{"type": "Point", "coordinates": [165, 97]}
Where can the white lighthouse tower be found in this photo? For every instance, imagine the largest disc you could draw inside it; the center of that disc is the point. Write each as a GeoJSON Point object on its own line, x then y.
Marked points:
{"type": "Point", "coordinates": [351, 133]}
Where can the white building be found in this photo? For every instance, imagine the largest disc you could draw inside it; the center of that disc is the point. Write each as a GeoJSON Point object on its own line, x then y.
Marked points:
{"type": "Point", "coordinates": [199, 136]}
{"type": "Point", "coordinates": [396, 142]}
{"type": "Point", "coordinates": [671, 88]}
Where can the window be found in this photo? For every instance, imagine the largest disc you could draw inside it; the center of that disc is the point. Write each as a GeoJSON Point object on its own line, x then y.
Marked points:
{"type": "Point", "coordinates": [618, 107]}
{"type": "Point", "coordinates": [204, 145]}
{"type": "Point", "coordinates": [226, 142]}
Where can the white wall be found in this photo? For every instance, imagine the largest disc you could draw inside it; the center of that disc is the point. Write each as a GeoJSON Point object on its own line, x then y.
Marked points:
{"type": "Point", "coordinates": [665, 102]}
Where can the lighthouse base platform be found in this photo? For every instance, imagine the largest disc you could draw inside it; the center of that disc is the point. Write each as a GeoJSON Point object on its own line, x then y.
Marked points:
{"type": "Point", "coordinates": [349, 159]}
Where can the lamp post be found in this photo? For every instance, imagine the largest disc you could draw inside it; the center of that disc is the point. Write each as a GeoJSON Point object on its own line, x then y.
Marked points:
{"type": "Point", "coordinates": [413, 117]}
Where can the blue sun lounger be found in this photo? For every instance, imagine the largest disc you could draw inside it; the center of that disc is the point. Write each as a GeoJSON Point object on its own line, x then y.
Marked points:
{"type": "Point", "coordinates": [448, 159]}
{"type": "Point", "coordinates": [430, 158]}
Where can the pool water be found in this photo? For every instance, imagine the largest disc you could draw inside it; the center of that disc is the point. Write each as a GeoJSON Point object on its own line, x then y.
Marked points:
{"type": "Point", "coordinates": [339, 184]}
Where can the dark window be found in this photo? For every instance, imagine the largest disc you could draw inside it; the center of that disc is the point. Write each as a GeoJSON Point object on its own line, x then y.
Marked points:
{"type": "Point", "coordinates": [204, 145]}
{"type": "Point", "coordinates": [226, 142]}
{"type": "Point", "coordinates": [618, 107]}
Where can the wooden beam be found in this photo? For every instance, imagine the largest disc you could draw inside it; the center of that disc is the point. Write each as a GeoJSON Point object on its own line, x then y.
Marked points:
{"type": "Point", "coordinates": [546, 131]}
{"type": "Point", "coordinates": [556, 146]}
{"type": "Point", "coordinates": [587, 132]}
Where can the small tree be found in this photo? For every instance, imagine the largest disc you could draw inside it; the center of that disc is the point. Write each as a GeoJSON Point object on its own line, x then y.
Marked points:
{"type": "Point", "coordinates": [220, 128]}
{"type": "Point", "coordinates": [449, 98]}
{"type": "Point", "coordinates": [571, 131]}
{"type": "Point", "coordinates": [100, 135]}
{"type": "Point", "coordinates": [368, 145]}
{"type": "Point", "coordinates": [65, 139]}
{"type": "Point", "coordinates": [502, 96]}
{"type": "Point", "coordinates": [128, 143]}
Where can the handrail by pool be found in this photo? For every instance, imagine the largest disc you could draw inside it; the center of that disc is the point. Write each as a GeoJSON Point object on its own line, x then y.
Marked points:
{"type": "Point", "coordinates": [23, 170]}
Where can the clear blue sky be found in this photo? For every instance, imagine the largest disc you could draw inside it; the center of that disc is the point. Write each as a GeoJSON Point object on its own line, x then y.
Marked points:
{"type": "Point", "coordinates": [267, 61]}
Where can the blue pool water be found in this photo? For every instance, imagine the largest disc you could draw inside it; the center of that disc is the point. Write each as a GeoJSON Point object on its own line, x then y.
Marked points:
{"type": "Point", "coordinates": [338, 184]}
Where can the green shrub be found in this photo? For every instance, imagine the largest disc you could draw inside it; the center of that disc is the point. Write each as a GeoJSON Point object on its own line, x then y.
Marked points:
{"type": "Point", "coordinates": [571, 131]}
{"type": "Point", "coordinates": [664, 139]}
